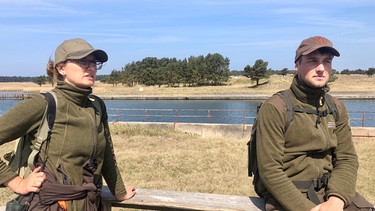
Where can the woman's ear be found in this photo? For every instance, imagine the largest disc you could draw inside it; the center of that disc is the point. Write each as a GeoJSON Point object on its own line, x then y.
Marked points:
{"type": "Point", "coordinates": [61, 70]}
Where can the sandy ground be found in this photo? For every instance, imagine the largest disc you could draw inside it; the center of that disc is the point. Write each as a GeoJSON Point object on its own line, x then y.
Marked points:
{"type": "Point", "coordinates": [345, 84]}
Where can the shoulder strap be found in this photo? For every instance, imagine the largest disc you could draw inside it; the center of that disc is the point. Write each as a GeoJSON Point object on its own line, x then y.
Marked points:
{"type": "Point", "coordinates": [289, 108]}
{"type": "Point", "coordinates": [44, 130]}
{"type": "Point", "coordinates": [331, 106]}
{"type": "Point", "coordinates": [98, 108]}
{"type": "Point", "coordinates": [51, 108]}
{"type": "Point", "coordinates": [97, 105]}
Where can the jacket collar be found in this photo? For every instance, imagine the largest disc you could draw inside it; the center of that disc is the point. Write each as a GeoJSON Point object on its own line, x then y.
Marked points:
{"type": "Point", "coordinates": [306, 94]}
{"type": "Point", "coordinates": [72, 93]}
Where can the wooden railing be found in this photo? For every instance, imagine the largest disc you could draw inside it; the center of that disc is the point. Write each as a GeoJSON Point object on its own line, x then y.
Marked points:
{"type": "Point", "coordinates": [148, 199]}
{"type": "Point", "coordinates": [13, 96]}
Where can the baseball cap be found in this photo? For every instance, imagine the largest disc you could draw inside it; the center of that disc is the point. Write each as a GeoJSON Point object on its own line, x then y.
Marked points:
{"type": "Point", "coordinates": [313, 43]}
{"type": "Point", "coordinates": [77, 49]}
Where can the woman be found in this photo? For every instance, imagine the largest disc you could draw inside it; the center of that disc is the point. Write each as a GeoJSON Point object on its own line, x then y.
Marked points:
{"type": "Point", "coordinates": [80, 150]}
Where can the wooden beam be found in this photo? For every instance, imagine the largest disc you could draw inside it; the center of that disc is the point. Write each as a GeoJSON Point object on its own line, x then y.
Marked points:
{"type": "Point", "coordinates": [175, 200]}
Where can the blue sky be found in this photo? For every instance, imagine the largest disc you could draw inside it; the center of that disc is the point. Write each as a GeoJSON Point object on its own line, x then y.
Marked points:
{"type": "Point", "coordinates": [130, 30]}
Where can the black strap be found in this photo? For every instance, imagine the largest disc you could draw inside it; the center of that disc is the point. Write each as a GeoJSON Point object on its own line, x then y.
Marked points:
{"type": "Point", "coordinates": [51, 110]}
{"type": "Point", "coordinates": [332, 106]}
{"type": "Point", "coordinates": [98, 108]}
{"type": "Point", "coordinates": [310, 111]}
{"type": "Point", "coordinates": [290, 109]}
{"type": "Point", "coordinates": [312, 186]}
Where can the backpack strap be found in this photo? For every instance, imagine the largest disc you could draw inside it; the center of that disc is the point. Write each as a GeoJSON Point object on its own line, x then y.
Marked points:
{"type": "Point", "coordinates": [44, 131]}
{"type": "Point", "coordinates": [98, 108]}
{"type": "Point", "coordinates": [331, 106]}
{"type": "Point", "coordinates": [289, 108]}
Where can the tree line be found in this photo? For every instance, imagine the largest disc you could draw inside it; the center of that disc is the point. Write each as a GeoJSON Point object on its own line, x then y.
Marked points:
{"type": "Point", "coordinates": [36, 79]}
{"type": "Point", "coordinates": [211, 70]}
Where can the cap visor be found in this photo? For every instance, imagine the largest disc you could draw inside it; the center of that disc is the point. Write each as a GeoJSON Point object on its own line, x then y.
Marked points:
{"type": "Point", "coordinates": [333, 51]}
{"type": "Point", "coordinates": [99, 54]}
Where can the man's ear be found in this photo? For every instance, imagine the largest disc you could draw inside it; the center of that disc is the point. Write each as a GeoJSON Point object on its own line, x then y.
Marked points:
{"type": "Point", "coordinates": [296, 66]}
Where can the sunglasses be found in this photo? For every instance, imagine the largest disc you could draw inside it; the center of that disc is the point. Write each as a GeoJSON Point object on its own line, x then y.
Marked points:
{"type": "Point", "coordinates": [85, 63]}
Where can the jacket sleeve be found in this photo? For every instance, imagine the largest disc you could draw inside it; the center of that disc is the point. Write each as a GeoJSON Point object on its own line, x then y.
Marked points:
{"type": "Point", "coordinates": [344, 174]}
{"type": "Point", "coordinates": [110, 170]}
{"type": "Point", "coordinates": [22, 118]}
{"type": "Point", "coordinates": [270, 153]}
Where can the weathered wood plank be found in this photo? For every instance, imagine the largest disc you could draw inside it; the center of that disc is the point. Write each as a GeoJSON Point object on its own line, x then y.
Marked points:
{"type": "Point", "coordinates": [176, 200]}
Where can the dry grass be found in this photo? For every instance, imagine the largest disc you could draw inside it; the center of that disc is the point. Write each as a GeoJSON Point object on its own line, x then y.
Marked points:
{"type": "Point", "coordinates": [171, 160]}
{"type": "Point", "coordinates": [236, 85]}
{"type": "Point", "coordinates": [177, 161]}
{"type": "Point", "coordinates": [353, 83]}
{"type": "Point", "coordinates": [366, 174]}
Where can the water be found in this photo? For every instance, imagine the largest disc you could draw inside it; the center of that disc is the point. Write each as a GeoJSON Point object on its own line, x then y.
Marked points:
{"type": "Point", "coordinates": [206, 111]}
{"type": "Point", "coordinates": [215, 111]}
{"type": "Point", "coordinates": [198, 111]}
{"type": "Point", "coordinates": [5, 105]}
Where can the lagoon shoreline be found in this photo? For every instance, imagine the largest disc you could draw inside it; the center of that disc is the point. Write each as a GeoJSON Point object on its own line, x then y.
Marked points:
{"type": "Point", "coordinates": [250, 96]}
{"type": "Point", "coordinates": [346, 87]}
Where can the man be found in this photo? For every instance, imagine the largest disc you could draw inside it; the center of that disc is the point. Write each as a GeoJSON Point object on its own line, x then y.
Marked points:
{"type": "Point", "coordinates": [311, 164]}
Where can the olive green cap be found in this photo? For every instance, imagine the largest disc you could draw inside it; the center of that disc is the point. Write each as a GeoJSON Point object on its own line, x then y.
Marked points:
{"type": "Point", "coordinates": [313, 43]}
{"type": "Point", "coordinates": [77, 49]}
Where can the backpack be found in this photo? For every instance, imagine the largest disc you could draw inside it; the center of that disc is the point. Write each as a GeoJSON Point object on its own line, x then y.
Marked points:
{"type": "Point", "coordinates": [22, 160]}
{"type": "Point", "coordinates": [290, 110]}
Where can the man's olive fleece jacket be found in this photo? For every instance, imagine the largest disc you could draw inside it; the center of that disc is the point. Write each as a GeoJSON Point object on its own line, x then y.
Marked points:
{"type": "Point", "coordinates": [304, 152]}
{"type": "Point", "coordinates": [74, 139]}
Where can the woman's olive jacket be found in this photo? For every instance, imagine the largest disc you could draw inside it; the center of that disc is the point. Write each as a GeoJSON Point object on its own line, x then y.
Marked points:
{"type": "Point", "coordinates": [79, 133]}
